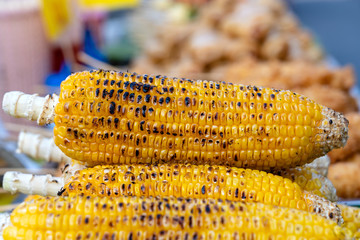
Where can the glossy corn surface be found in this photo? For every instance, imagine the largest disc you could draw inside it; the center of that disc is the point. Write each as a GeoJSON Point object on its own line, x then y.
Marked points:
{"type": "Point", "coordinates": [351, 216]}
{"type": "Point", "coordinates": [196, 181]}
{"type": "Point", "coordinates": [167, 218]}
{"type": "Point", "coordinates": [114, 117]}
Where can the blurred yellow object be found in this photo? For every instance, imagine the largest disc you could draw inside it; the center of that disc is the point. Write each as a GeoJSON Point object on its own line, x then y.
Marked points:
{"type": "Point", "coordinates": [108, 4]}
{"type": "Point", "coordinates": [56, 16]}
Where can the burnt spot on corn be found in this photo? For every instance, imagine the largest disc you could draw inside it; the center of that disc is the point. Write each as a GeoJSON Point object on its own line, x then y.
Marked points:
{"type": "Point", "coordinates": [132, 97]}
{"type": "Point", "coordinates": [139, 98]}
{"type": "Point", "coordinates": [187, 102]}
{"type": "Point", "coordinates": [161, 100]}
{"type": "Point", "coordinates": [167, 100]}
{"type": "Point", "coordinates": [125, 96]}
{"type": "Point", "coordinates": [112, 107]}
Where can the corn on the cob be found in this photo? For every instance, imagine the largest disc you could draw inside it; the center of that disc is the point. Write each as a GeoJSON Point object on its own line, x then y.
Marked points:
{"type": "Point", "coordinates": [351, 216]}
{"type": "Point", "coordinates": [164, 218]}
{"type": "Point", "coordinates": [201, 181]}
{"type": "Point", "coordinates": [27, 142]}
{"type": "Point", "coordinates": [115, 117]}
{"type": "Point", "coordinates": [40, 147]}
{"type": "Point", "coordinates": [310, 181]}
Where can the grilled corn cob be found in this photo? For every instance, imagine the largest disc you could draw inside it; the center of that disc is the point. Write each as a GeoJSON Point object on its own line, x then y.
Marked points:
{"type": "Point", "coordinates": [351, 216]}
{"type": "Point", "coordinates": [164, 218]}
{"type": "Point", "coordinates": [200, 181]}
{"type": "Point", "coordinates": [40, 147]}
{"type": "Point", "coordinates": [179, 180]}
{"type": "Point", "coordinates": [114, 117]}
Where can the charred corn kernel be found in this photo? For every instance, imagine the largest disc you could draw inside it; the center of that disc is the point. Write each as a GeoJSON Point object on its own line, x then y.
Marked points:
{"type": "Point", "coordinates": [208, 119]}
{"type": "Point", "coordinates": [164, 218]}
{"type": "Point", "coordinates": [309, 180]}
{"type": "Point", "coordinates": [195, 181]}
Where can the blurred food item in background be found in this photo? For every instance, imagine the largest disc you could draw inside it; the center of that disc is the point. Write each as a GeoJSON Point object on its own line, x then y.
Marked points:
{"type": "Point", "coordinates": [228, 31]}
{"type": "Point", "coordinates": [352, 146]}
{"type": "Point", "coordinates": [64, 29]}
{"type": "Point", "coordinates": [334, 98]}
{"type": "Point", "coordinates": [345, 177]}
{"type": "Point", "coordinates": [329, 87]}
{"type": "Point", "coordinates": [295, 74]}
{"type": "Point", "coordinates": [57, 16]}
{"type": "Point", "coordinates": [25, 51]}
{"type": "Point", "coordinates": [107, 4]}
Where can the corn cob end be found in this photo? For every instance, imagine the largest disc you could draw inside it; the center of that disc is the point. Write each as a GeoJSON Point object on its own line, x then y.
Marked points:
{"type": "Point", "coordinates": [20, 105]}
{"type": "Point", "coordinates": [40, 147]}
{"type": "Point", "coordinates": [44, 185]}
{"type": "Point", "coordinates": [323, 207]}
{"type": "Point", "coordinates": [333, 130]}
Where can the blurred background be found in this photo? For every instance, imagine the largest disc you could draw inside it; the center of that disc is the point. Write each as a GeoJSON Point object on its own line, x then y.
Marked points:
{"type": "Point", "coordinates": [308, 46]}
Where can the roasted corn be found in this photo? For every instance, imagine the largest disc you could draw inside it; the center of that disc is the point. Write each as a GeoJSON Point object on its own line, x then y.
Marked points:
{"type": "Point", "coordinates": [115, 117]}
{"type": "Point", "coordinates": [167, 218]}
{"type": "Point", "coordinates": [178, 180]}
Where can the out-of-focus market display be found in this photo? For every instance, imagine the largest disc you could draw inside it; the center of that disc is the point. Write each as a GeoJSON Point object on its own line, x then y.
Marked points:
{"type": "Point", "coordinates": [106, 131]}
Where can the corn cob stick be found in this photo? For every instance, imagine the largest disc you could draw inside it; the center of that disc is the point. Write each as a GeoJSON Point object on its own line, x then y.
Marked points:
{"type": "Point", "coordinates": [32, 107]}
{"type": "Point", "coordinates": [351, 216]}
{"type": "Point", "coordinates": [40, 147]}
{"type": "Point", "coordinates": [32, 184]}
{"type": "Point", "coordinates": [44, 185]}
{"type": "Point", "coordinates": [202, 181]}
{"type": "Point", "coordinates": [113, 117]}
{"type": "Point", "coordinates": [164, 218]}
